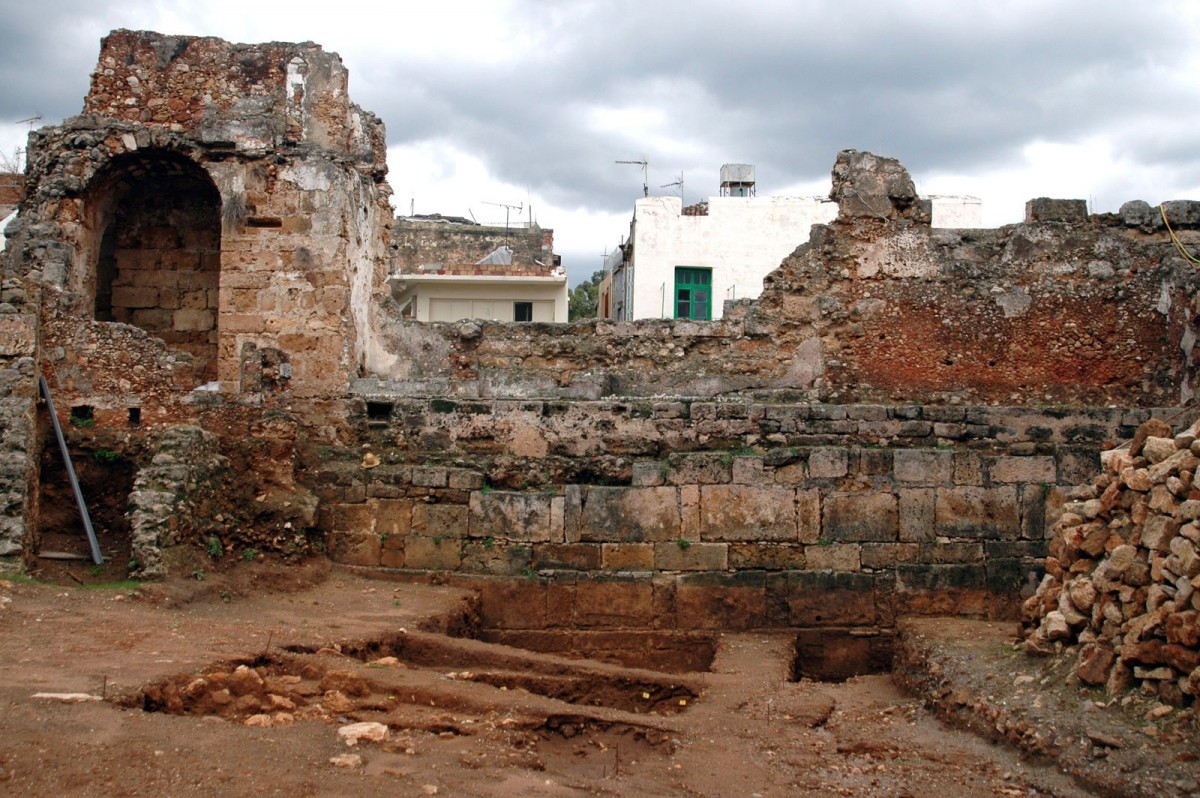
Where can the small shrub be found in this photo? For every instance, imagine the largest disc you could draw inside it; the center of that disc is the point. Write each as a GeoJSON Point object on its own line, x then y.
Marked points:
{"type": "Point", "coordinates": [488, 542]}
{"type": "Point", "coordinates": [249, 554]}
{"type": "Point", "coordinates": [684, 545]}
{"type": "Point", "coordinates": [198, 574]}
{"type": "Point", "coordinates": [214, 547]}
{"type": "Point", "coordinates": [106, 456]}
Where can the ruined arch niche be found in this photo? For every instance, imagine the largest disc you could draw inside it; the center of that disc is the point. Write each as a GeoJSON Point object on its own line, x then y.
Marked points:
{"type": "Point", "coordinates": [154, 254]}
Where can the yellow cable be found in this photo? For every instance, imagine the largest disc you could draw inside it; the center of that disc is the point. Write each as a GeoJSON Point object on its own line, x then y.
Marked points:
{"type": "Point", "coordinates": [1175, 240]}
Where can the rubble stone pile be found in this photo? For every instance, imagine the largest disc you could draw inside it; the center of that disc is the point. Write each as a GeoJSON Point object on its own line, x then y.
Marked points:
{"type": "Point", "coordinates": [1123, 571]}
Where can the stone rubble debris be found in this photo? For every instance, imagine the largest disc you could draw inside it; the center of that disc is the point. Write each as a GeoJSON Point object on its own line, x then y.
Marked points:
{"type": "Point", "coordinates": [1123, 571]}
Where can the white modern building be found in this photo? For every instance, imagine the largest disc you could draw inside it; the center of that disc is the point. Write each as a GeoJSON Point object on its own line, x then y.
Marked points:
{"type": "Point", "coordinates": [685, 262]}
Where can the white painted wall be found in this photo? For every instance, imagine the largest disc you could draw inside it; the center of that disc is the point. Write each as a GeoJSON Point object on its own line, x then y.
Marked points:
{"type": "Point", "coordinates": [742, 239]}
{"type": "Point", "coordinates": [438, 297]}
{"type": "Point", "coordinates": [3, 224]}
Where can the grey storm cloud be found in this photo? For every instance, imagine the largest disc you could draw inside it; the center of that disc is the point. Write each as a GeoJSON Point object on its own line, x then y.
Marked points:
{"type": "Point", "coordinates": [941, 86]}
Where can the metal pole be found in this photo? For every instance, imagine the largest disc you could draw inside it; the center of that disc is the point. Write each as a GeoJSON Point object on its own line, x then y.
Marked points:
{"type": "Point", "coordinates": [97, 557]}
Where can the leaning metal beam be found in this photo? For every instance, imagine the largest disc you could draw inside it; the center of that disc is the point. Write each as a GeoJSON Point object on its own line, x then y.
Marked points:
{"type": "Point", "coordinates": [97, 557]}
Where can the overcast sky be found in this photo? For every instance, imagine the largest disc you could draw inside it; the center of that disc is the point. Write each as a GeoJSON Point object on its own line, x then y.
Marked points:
{"type": "Point", "coordinates": [531, 103]}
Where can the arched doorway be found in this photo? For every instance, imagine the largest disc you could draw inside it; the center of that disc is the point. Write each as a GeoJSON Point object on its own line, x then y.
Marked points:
{"type": "Point", "coordinates": [155, 218]}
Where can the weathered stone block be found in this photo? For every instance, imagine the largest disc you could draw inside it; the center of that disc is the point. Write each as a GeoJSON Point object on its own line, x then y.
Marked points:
{"type": "Point", "coordinates": [721, 601]}
{"type": "Point", "coordinates": [747, 470]}
{"type": "Point", "coordinates": [828, 463]}
{"type": "Point", "coordinates": [825, 598]}
{"type": "Point", "coordinates": [424, 552]}
{"type": "Point", "coordinates": [875, 462]}
{"type": "Point", "coordinates": [495, 557]}
{"type": "Point", "coordinates": [193, 320]}
{"type": "Point", "coordinates": [569, 556]}
{"type": "Point", "coordinates": [627, 556]}
{"type": "Point", "coordinates": [916, 514]}
{"type": "Point", "coordinates": [977, 512]}
{"type": "Point", "coordinates": [445, 520]}
{"type": "Point", "coordinates": [687, 556]}
{"type": "Point", "coordinates": [744, 512]}
{"type": "Point", "coordinates": [968, 468]}
{"type": "Point", "coordinates": [629, 515]}
{"type": "Point", "coordinates": [887, 555]}
{"type": "Point", "coordinates": [393, 517]}
{"type": "Point", "coordinates": [1023, 469]}
{"type": "Point", "coordinates": [354, 547]}
{"type": "Point", "coordinates": [512, 516]}
{"type": "Point", "coordinates": [649, 473]}
{"type": "Point", "coordinates": [860, 517]}
{"type": "Point", "coordinates": [808, 515]}
{"type": "Point", "coordinates": [766, 556]}
{"type": "Point", "coordinates": [614, 603]}
{"type": "Point", "coordinates": [353, 518]}
{"type": "Point", "coordinates": [924, 466]}
{"type": "Point", "coordinates": [512, 603]}
{"type": "Point", "coordinates": [430, 477]}
{"type": "Point", "coordinates": [833, 557]}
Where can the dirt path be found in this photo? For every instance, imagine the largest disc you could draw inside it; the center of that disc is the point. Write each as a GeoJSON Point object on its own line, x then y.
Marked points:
{"type": "Point", "coordinates": [465, 718]}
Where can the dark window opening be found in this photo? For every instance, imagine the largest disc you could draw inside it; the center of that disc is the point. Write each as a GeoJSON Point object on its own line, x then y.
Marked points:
{"type": "Point", "coordinates": [135, 416]}
{"type": "Point", "coordinates": [379, 411]}
{"type": "Point", "coordinates": [82, 413]}
{"type": "Point", "coordinates": [522, 311]}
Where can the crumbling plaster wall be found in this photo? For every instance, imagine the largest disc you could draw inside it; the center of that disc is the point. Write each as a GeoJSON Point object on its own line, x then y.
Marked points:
{"type": "Point", "coordinates": [427, 245]}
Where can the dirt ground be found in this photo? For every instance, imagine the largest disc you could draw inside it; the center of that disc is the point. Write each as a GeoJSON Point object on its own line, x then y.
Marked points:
{"type": "Point", "coordinates": [323, 649]}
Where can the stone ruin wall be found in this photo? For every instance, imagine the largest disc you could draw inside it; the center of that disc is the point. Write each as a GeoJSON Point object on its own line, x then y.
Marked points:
{"type": "Point", "coordinates": [428, 246]}
{"type": "Point", "coordinates": [890, 380]}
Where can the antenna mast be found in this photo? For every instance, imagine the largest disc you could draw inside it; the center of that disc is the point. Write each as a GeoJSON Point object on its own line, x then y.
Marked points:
{"type": "Point", "coordinates": [645, 174]}
{"type": "Point", "coordinates": [507, 209]}
{"type": "Point", "coordinates": [679, 183]}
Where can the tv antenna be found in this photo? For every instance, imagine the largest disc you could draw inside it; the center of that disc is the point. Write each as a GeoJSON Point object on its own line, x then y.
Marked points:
{"type": "Point", "coordinates": [507, 210]}
{"type": "Point", "coordinates": [30, 121]}
{"type": "Point", "coordinates": [678, 183]}
{"type": "Point", "coordinates": [645, 174]}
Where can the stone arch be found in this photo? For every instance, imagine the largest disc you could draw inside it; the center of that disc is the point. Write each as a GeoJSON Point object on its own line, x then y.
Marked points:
{"type": "Point", "coordinates": [154, 251]}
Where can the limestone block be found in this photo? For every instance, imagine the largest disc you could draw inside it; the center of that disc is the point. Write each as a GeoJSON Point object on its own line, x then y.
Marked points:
{"type": "Point", "coordinates": [567, 556]}
{"type": "Point", "coordinates": [808, 515]}
{"type": "Point", "coordinates": [354, 548]}
{"type": "Point", "coordinates": [744, 512]}
{"type": "Point", "coordinates": [514, 516]}
{"type": "Point", "coordinates": [353, 518]}
{"type": "Point", "coordinates": [721, 601]}
{"type": "Point", "coordinates": [432, 553]}
{"type": "Point", "coordinates": [134, 296]}
{"type": "Point", "coordinates": [924, 466]}
{"type": "Point", "coordinates": [828, 463]}
{"type": "Point", "coordinates": [495, 557]}
{"type": "Point", "coordinates": [688, 556]}
{"type": "Point", "coordinates": [1158, 532]}
{"type": "Point", "coordinates": [1023, 469]}
{"type": "Point", "coordinates": [393, 517]}
{"type": "Point", "coordinates": [443, 520]}
{"type": "Point", "coordinates": [916, 514]}
{"type": "Point", "coordinates": [834, 557]}
{"type": "Point", "coordinates": [629, 515]}
{"type": "Point", "coordinates": [766, 556]}
{"type": "Point", "coordinates": [885, 555]}
{"type": "Point", "coordinates": [860, 517]}
{"type": "Point", "coordinates": [614, 603]}
{"type": "Point", "coordinates": [825, 598]}
{"type": "Point", "coordinates": [977, 512]}
{"type": "Point", "coordinates": [512, 603]}
{"type": "Point", "coordinates": [649, 473]}
{"type": "Point", "coordinates": [193, 320]}
{"type": "Point", "coordinates": [627, 556]}
{"type": "Point", "coordinates": [430, 476]}
{"type": "Point", "coordinates": [747, 470]}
